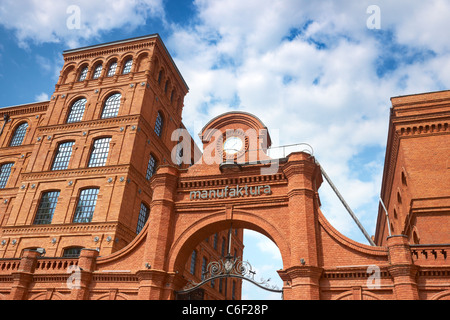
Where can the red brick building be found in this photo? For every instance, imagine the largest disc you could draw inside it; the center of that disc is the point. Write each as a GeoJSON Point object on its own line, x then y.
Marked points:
{"type": "Point", "coordinates": [97, 179]}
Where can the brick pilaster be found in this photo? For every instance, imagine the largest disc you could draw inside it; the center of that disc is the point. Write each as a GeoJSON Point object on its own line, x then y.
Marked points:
{"type": "Point", "coordinates": [24, 276]}
{"type": "Point", "coordinates": [83, 274]}
{"type": "Point", "coordinates": [402, 268]}
{"type": "Point", "coordinates": [301, 283]}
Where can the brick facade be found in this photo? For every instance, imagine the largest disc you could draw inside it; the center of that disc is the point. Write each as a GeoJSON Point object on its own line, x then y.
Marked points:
{"type": "Point", "coordinates": [210, 193]}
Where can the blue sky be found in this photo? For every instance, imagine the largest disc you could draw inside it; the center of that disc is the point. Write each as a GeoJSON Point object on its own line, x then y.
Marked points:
{"type": "Point", "coordinates": [312, 71]}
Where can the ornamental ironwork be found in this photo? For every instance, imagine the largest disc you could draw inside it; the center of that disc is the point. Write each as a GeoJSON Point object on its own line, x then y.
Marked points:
{"type": "Point", "coordinates": [230, 267]}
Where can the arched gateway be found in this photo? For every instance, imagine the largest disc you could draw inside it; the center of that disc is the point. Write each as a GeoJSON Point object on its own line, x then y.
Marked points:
{"type": "Point", "coordinates": [120, 219]}
{"type": "Point", "coordinates": [278, 198]}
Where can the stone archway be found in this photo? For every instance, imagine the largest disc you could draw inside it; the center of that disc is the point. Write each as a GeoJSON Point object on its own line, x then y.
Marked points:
{"type": "Point", "coordinates": [183, 245]}
{"type": "Point", "coordinates": [188, 240]}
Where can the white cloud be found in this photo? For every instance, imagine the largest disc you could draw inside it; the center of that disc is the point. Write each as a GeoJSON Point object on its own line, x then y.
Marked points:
{"type": "Point", "coordinates": [51, 21]}
{"type": "Point", "coordinates": [42, 97]}
{"type": "Point", "coordinates": [313, 71]}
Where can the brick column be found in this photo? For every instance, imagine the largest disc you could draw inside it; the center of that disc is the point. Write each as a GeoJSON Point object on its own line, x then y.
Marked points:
{"type": "Point", "coordinates": [302, 272]}
{"type": "Point", "coordinates": [300, 171]}
{"type": "Point", "coordinates": [158, 285]}
{"type": "Point", "coordinates": [24, 275]}
{"type": "Point", "coordinates": [301, 283]}
{"type": "Point", "coordinates": [83, 274]}
{"type": "Point", "coordinates": [402, 268]}
{"type": "Point", "coordinates": [160, 235]}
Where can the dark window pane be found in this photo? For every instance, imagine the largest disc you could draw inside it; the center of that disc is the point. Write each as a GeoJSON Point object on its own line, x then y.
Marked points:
{"type": "Point", "coordinates": [193, 261]}
{"type": "Point", "coordinates": [143, 216]}
{"type": "Point", "coordinates": [151, 167]}
{"type": "Point", "coordinates": [158, 125]}
{"type": "Point", "coordinates": [72, 253]}
{"type": "Point", "coordinates": [46, 208]}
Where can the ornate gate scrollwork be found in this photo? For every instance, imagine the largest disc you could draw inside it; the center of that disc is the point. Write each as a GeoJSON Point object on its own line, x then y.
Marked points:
{"type": "Point", "coordinates": [229, 267]}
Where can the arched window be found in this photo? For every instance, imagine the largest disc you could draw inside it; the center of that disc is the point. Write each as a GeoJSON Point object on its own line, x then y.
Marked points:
{"type": "Point", "coordinates": [98, 71]}
{"type": "Point", "coordinates": [151, 167]}
{"type": "Point", "coordinates": [127, 66]}
{"type": "Point", "coordinates": [62, 158]}
{"type": "Point", "coordinates": [19, 135]}
{"type": "Point", "coordinates": [5, 171]}
{"type": "Point", "coordinates": [111, 107]}
{"type": "Point", "coordinates": [159, 125]}
{"type": "Point", "coordinates": [86, 205]}
{"type": "Point", "coordinates": [112, 69]}
{"type": "Point", "coordinates": [83, 74]}
{"type": "Point", "coordinates": [47, 205]}
{"type": "Point", "coordinates": [77, 111]}
{"type": "Point", "coordinates": [143, 216]}
{"type": "Point", "coordinates": [73, 252]}
{"type": "Point", "coordinates": [99, 153]}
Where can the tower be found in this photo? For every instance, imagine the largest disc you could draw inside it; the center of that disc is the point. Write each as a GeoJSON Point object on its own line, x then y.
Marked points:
{"type": "Point", "coordinates": [416, 176]}
{"type": "Point", "coordinates": [87, 155]}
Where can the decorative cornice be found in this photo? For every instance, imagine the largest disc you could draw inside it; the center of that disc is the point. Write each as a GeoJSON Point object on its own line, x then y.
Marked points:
{"type": "Point", "coordinates": [25, 109]}
{"type": "Point", "coordinates": [191, 184]}
{"type": "Point", "coordinates": [73, 173]}
{"type": "Point", "coordinates": [105, 52]}
{"type": "Point", "coordinates": [73, 228]}
{"type": "Point", "coordinates": [89, 124]}
{"type": "Point", "coordinates": [426, 128]}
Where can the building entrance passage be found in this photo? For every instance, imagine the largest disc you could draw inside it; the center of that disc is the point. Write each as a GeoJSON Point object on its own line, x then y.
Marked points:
{"type": "Point", "coordinates": [228, 267]}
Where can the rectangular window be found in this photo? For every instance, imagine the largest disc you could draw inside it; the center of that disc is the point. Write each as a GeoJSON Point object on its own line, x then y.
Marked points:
{"type": "Point", "coordinates": [5, 171]}
{"type": "Point", "coordinates": [150, 167]}
{"type": "Point", "coordinates": [99, 153]}
{"type": "Point", "coordinates": [86, 206]}
{"type": "Point", "coordinates": [44, 214]}
{"type": "Point", "coordinates": [143, 216]}
{"type": "Point", "coordinates": [72, 253]}
{"type": "Point", "coordinates": [193, 261]}
{"type": "Point", "coordinates": [63, 155]}
{"type": "Point", "coordinates": [204, 265]}
{"type": "Point", "coordinates": [158, 125]}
